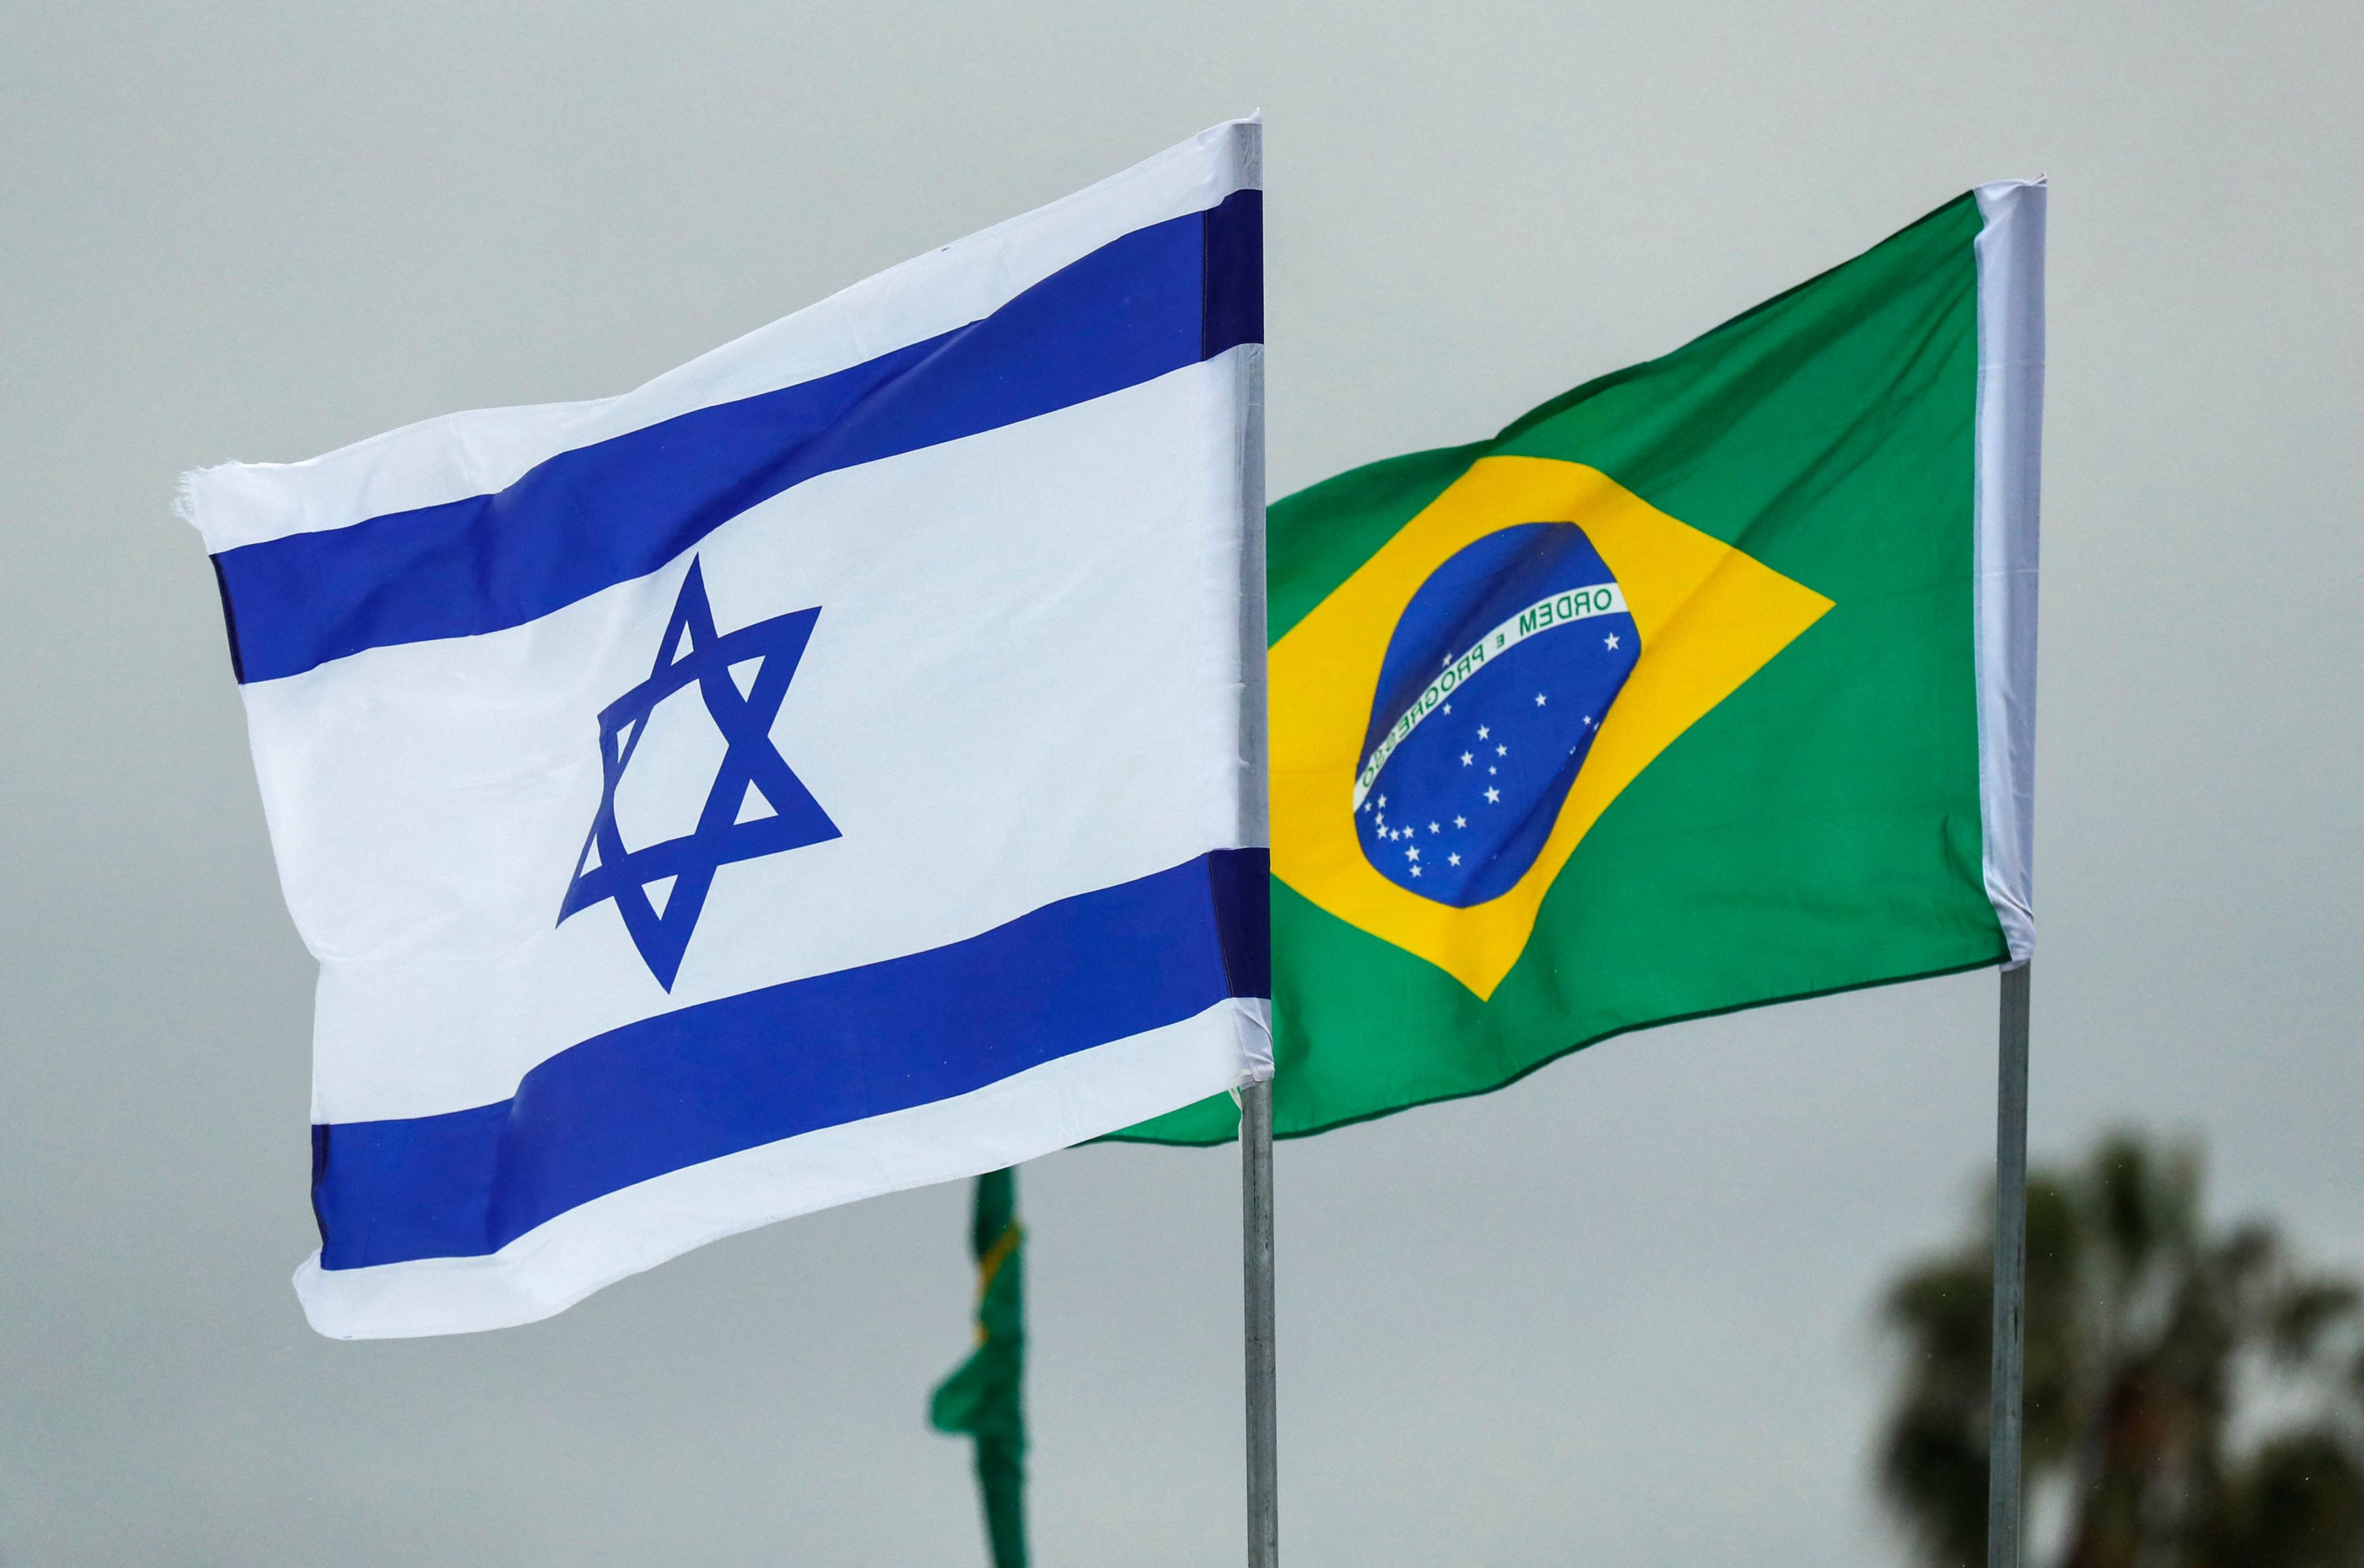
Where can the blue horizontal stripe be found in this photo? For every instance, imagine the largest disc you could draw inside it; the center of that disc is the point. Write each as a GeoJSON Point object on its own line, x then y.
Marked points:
{"type": "Point", "coordinates": [693, 1086]}
{"type": "Point", "coordinates": [1153, 301]}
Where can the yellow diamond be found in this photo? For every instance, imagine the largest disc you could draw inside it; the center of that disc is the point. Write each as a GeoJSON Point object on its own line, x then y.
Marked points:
{"type": "Point", "coordinates": [1709, 617]}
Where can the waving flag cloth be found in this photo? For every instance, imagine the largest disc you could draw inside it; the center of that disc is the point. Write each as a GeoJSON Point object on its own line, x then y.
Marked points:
{"type": "Point", "coordinates": [985, 1397]}
{"type": "Point", "coordinates": [829, 768]}
{"type": "Point", "coordinates": [1708, 685]}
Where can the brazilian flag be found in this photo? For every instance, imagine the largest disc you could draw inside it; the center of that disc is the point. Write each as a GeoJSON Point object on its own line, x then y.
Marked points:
{"type": "Point", "coordinates": [1705, 685]}
{"type": "Point", "coordinates": [983, 1397]}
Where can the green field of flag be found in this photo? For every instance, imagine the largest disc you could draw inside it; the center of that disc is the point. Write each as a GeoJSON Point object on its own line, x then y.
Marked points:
{"type": "Point", "coordinates": [1749, 576]}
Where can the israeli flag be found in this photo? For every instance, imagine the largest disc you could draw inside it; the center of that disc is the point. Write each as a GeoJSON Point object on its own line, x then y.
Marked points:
{"type": "Point", "coordinates": [834, 767]}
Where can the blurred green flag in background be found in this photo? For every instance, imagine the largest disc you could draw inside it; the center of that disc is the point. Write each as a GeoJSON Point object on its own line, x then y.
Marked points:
{"type": "Point", "coordinates": [983, 1397]}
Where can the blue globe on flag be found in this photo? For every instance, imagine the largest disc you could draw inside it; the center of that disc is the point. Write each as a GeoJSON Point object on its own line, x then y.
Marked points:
{"type": "Point", "coordinates": [1495, 682]}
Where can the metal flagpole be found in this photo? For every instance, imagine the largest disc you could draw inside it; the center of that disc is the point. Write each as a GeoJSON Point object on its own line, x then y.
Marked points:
{"type": "Point", "coordinates": [2003, 1466]}
{"type": "Point", "coordinates": [1255, 1237]}
{"type": "Point", "coordinates": [1255, 1099]}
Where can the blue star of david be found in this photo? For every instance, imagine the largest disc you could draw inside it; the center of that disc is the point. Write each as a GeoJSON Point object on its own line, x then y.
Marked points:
{"type": "Point", "coordinates": [757, 807]}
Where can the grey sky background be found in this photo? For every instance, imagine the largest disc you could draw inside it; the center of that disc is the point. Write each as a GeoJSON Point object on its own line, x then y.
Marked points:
{"type": "Point", "coordinates": [1621, 1314]}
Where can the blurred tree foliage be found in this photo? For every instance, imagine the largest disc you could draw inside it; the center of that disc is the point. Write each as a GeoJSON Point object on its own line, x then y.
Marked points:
{"type": "Point", "coordinates": [2195, 1395]}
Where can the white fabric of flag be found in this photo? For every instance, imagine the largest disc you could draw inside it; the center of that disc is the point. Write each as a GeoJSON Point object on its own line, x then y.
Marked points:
{"type": "Point", "coordinates": [833, 767]}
